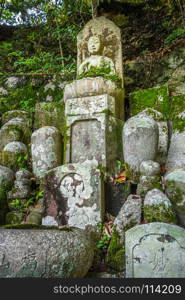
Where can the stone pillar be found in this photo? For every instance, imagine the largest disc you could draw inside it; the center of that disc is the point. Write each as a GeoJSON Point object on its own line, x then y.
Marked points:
{"type": "Point", "coordinates": [46, 148]}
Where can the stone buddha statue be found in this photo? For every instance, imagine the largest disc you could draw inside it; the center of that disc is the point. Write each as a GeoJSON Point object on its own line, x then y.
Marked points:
{"type": "Point", "coordinates": [95, 59]}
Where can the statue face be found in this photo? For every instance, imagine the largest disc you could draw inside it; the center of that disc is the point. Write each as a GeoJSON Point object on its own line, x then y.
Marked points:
{"type": "Point", "coordinates": [94, 45]}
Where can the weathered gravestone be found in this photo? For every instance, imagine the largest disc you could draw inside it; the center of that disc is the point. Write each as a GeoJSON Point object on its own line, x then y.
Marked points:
{"type": "Point", "coordinates": [155, 250]}
{"type": "Point", "coordinates": [74, 195]}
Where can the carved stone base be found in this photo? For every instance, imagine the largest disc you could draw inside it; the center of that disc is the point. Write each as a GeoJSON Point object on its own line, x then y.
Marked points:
{"type": "Point", "coordinates": [74, 195]}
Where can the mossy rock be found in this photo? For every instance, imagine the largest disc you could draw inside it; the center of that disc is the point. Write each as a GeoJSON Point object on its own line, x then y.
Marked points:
{"type": "Point", "coordinates": [14, 218]}
{"type": "Point", "coordinates": [155, 98]}
{"type": "Point", "coordinates": [159, 213]}
{"type": "Point", "coordinates": [16, 114]}
{"type": "Point", "coordinates": [115, 257]}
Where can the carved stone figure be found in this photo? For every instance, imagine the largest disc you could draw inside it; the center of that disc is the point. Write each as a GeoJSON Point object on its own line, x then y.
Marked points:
{"type": "Point", "coordinates": [96, 59]}
{"type": "Point", "coordinates": [100, 40]}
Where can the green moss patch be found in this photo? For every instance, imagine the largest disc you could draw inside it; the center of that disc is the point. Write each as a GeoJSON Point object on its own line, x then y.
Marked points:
{"type": "Point", "coordinates": [34, 226]}
{"type": "Point", "coordinates": [156, 98]}
{"type": "Point", "coordinates": [102, 71]}
{"type": "Point", "coordinates": [116, 253]}
{"type": "Point", "coordinates": [159, 213]}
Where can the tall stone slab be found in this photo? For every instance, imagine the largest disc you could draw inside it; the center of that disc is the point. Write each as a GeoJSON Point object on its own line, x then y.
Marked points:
{"type": "Point", "coordinates": [94, 137]}
{"type": "Point", "coordinates": [74, 195]}
{"type": "Point", "coordinates": [155, 250]}
{"type": "Point", "coordinates": [46, 148]}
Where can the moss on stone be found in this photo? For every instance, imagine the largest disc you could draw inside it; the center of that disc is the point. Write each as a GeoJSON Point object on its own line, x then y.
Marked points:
{"type": "Point", "coordinates": [159, 213]}
{"type": "Point", "coordinates": [34, 226]}
{"type": "Point", "coordinates": [155, 98]}
{"type": "Point", "coordinates": [14, 218]}
{"type": "Point", "coordinates": [102, 71]}
{"type": "Point", "coordinates": [116, 253]}
{"type": "Point", "coordinates": [131, 224]}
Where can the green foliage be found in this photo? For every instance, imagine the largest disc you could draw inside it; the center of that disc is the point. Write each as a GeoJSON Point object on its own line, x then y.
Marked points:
{"type": "Point", "coordinates": [102, 71]}
{"type": "Point", "coordinates": [22, 206]}
{"type": "Point", "coordinates": [104, 240]}
{"type": "Point", "coordinates": [175, 35]}
{"type": "Point", "coordinates": [159, 213]}
{"type": "Point", "coordinates": [22, 162]}
{"type": "Point", "coordinates": [116, 253]}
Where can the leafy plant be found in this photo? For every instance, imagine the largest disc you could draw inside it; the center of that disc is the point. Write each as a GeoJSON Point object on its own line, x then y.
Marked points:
{"type": "Point", "coordinates": [104, 240]}
{"type": "Point", "coordinates": [22, 206]}
{"type": "Point", "coordinates": [176, 34]}
{"type": "Point", "coordinates": [22, 162]}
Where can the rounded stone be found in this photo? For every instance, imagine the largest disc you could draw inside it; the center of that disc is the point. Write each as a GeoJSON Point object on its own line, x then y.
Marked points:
{"type": "Point", "coordinates": [140, 141]}
{"type": "Point", "coordinates": [11, 154]}
{"type": "Point", "coordinates": [34, 218]}
{"type": "Point", "coordinates": [14, 217]}
{"type": "Point", "coordinates": [6, 180]}
{"type": "Point", "coordinates": [156, 197]}
{"type": "Point", "coordinates": [64, 253]}
{"type": "Point", "coordinates": [23, 174]}
{"type": "Point", "coordinates": [20, 125]}
{"type": "Point", "coordinates": [149, 168]}
{"type": "Point", "coordinates": [46, 148]}
{"type": "Point", "coordinates": [176, 153]}
{"type": "Point", "coordinates": [175, 190]}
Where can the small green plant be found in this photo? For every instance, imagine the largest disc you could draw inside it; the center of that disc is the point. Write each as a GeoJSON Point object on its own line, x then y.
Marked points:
{"type": "Point", "coordinates": [22, 206]}
{"type": "Point", "coordinates": [175, 35]}
{"type": "Point", "coordinates": [104, 240]}
{"type": "Point", "coordinates": [22, 162]}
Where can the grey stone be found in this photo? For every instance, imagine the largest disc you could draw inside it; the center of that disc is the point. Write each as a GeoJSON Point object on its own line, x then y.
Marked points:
{"type": "Point", "coordinates": [156, 197]}
{"type": "Point", "coordinates": [176, 153]}
{"type": "Point", "coordinates": [129, 215]}
{"type": "Point", "coordinates": [16, 125]}
{"type": "Point", "coordinates": [12, 82]}
{"type": "Point", "coordinates": [3, 91]}
{"type": "Point", "coordinates": [65, 253]}
{"type": "Point", "coordinates": [163, 133]}
{"type": "Point", "coordinates": [158, 208]}
{"type": "Point", "coordinates": [90, 105]}
{"type": "Point", "coordinates": [21, 189]}
{"type": "Point", "coordinates": [147, 183]}
{"type": "Point", "coordinates": [23, 174]}
{"type": "Point", "coordinates": [94, 137]}
{"type": "Point", "coordinates": [175, 190]}
{"type": "Point", "coordinates": [74, 195]}
{"type": "Point", "coordinates": [6, 183]}
{"type": "Point", "coordinates": [96, 86]}
{"type": "Point", "coordinates": [11, 153]}
{"type": "Point", "coordinates": [140, 142]}
{"type": "Point", "coordinates": [155, 250]}
{"type": "Point", "coordinates": [12, 114]}
{"type": "Point", "coordinates": [149, 168]}
{"type": "Point", "coordinates": [46, 148]}
{"type": "Point", "coordinates": [34, 218]}
{"type": "Point", "coordinates": [6, 180]}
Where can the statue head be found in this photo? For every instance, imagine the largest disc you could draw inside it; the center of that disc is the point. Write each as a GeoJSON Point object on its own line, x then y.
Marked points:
{"type": "Point", "coordinates": [94, 45]}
